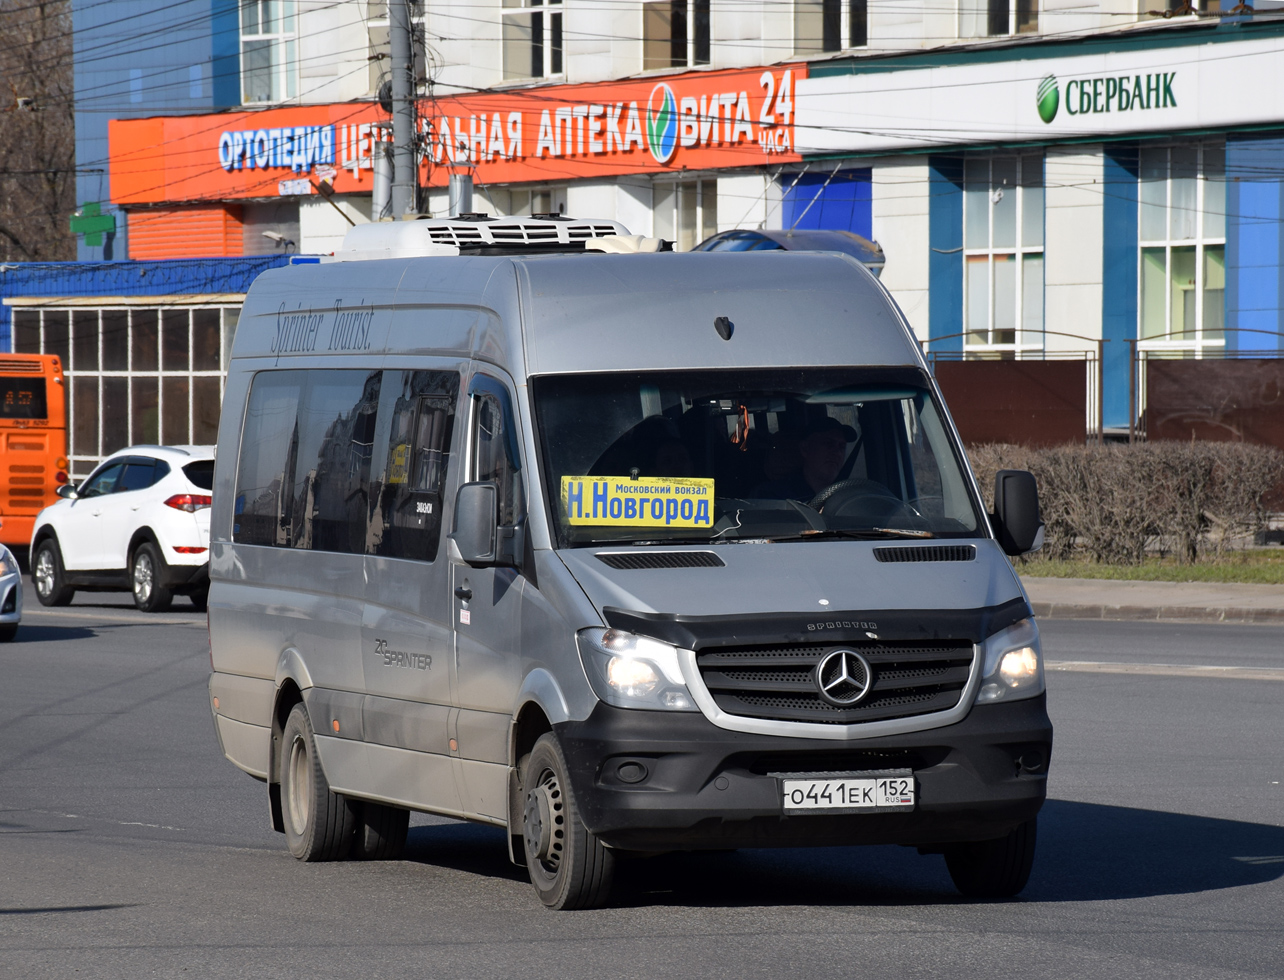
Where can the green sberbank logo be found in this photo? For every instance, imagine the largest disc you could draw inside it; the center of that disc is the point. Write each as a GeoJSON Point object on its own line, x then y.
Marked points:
{"type": "Point", "coordinates": [1113, 93]}
{"type": "Point", "coordinates": [1049, 98]}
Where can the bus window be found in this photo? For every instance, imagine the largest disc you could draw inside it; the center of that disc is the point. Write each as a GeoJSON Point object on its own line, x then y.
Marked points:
{"type": "Point", "coordinates": [23, 398]}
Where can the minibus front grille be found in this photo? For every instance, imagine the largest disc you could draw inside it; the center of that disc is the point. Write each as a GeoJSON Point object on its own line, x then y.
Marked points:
{"type": "Point", "coordinates": [778, 682]}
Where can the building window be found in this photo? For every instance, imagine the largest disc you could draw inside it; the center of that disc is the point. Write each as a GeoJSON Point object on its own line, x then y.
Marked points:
{"type": "Point", "coordinates": [675, 33]}
{"type": "Point", "coordinates": [532, 38]}
{"type": "Point", "coordinates": [528, 201]}
{"type": "Point", "coordinates": [1003, 254]}
{"type": "Point", "coordinates": [821, 26]}
{"type": "Point", "coordinates": [998, 18]}
{"type": "Point", "coordinates": [134, 374]}
{"type": "Point", "coordinates": [269, 67]}
{"type": "Point", "coordinates": [1182, 229]}
{"type": "Point", "coordinates": [686, 212]}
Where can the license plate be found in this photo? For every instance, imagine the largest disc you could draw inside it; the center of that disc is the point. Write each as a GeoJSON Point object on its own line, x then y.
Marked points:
{"type": "Point", "coordinates": [853, 794]}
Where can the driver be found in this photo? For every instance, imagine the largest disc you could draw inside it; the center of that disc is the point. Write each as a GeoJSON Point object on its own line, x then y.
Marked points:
{"type": "Point", "coordinates": [823, 450]}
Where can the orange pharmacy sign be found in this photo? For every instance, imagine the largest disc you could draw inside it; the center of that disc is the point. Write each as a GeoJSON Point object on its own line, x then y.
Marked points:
{"type": "Point", "coordinates": [692, 121]}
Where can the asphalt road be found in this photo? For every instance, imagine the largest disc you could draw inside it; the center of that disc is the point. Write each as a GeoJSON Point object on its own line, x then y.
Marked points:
{"type": "Point", "coordinates": [129, 848]}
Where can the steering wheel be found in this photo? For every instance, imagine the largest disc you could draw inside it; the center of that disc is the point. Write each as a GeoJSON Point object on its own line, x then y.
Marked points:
{"type": "Point", "coordinates": [877, 501]}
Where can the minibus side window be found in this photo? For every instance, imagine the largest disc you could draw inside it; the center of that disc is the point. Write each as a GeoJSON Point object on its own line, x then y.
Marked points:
{"type": "Point", "coordinates": [405, 520]}
{"type": "Point", "coordinates": [304, 475]}
{"type": "Point", "coordinates": [335, 440]}
{"type": "Point", "coordinates": [269, 444]}
{"type": "Point", "coordinates": [492, 457]}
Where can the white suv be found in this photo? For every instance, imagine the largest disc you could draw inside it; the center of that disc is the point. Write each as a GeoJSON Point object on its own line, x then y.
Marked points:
{"type": "Point", "coordinates": [140, 523]}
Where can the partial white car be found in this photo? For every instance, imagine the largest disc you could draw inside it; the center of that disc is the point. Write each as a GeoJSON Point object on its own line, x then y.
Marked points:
{"type": "Point", "coordinates": [140, 523]}
{"type": "Point", "coordinates": [10, 595]}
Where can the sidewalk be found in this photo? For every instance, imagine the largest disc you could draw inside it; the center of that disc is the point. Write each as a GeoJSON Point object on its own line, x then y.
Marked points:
{"type": "Point", "coordinates": [1083, 598]}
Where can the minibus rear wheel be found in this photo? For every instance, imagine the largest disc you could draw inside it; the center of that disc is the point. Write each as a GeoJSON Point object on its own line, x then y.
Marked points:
{"type": "Point", "coordinates": [569, 867]}
{"type": "Point", "coordinates": [381, 834]}
{"type": "Point", "coordinates": [993, 868]}
{"type": "Point", "coordinates": [319, 823]}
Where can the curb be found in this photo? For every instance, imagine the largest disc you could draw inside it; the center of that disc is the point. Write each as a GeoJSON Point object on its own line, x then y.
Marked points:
{"type": "Point", "coordinates": [1190, 614]}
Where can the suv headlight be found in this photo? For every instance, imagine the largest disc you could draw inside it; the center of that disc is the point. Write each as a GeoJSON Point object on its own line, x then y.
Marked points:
{"type": "Point", "coordinates": [1013, 666]}
{"type": "Point", "coordinates": [632, 671]}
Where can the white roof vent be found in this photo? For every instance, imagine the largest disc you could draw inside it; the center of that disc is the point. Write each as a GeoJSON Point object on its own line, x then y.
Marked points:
{"type": "Point", "coordinates": [471, 234]}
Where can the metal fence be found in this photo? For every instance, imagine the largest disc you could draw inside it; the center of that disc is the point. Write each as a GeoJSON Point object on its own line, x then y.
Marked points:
{"type": "Point", "coordinates": [1025, 396]}
{"type": "Point", "coordinates": [1212, 394]}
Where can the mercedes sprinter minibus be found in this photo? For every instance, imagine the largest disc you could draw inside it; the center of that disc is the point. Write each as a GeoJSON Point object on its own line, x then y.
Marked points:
{"type": "Point", "coordinates": [624, 551]}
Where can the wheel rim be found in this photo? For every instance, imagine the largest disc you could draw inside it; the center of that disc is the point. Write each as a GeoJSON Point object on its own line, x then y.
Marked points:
{"type": "Point", "coordinates": [44, 573]}
{"type": "Point", "coordinates": [299, 783]}
{"type": "Point", "coordinates": [143, 576]}
{"type": "Point", "coordinates": [545, 823]}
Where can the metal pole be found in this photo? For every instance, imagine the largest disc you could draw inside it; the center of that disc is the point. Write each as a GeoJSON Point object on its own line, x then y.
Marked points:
{"type": "Point", "coordinates": [1132, 391]}
{"type": "Point", "coordinates": [404, 175]}
{"type": "Point", "coordinates": [1101, 392]}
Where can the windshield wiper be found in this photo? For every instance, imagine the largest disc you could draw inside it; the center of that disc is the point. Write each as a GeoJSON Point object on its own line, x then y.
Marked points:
{"type": "Point", "coordinates": [856, 534]}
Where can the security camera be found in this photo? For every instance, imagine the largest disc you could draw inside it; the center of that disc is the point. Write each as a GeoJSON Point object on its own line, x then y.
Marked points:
{"type": "Point", "coordinates": [275, 236]}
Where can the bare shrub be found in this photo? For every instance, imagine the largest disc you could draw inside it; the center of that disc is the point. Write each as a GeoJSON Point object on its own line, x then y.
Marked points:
{"type": "Point", "coordinates": [1248, 478]}
{"type": "Point", "coordinates": [1118, 502]}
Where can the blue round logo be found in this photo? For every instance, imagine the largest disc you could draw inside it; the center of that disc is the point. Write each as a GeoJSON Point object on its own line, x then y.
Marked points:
{"type": "Point", "coordinates": [662, 123]}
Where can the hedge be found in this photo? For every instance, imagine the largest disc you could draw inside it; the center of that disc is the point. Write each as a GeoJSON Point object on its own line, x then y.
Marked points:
{"type": "Point", "coordinates": [1120, 502]}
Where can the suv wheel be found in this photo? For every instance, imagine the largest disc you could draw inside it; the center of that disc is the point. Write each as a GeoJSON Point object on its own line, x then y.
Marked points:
{"type": "Point", "coordinates": [145, 573]}
{"type": "Point", "coordinates": [47, 575]}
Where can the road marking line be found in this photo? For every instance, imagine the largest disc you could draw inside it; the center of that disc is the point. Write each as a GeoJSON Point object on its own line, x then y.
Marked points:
{"type": "Point", "coordinates": [1170, 670]}
{"type": "Point", "coordinates": [105, 615]}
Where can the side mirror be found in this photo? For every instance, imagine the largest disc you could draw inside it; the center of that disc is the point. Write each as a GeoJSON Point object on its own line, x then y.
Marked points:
{"type": "Point", "coordinates": [482, 543]}
{"type": "Point", "coordinates": [1016, 512]}
{"type": "Point", "coordinates": [67, 492]}
{"type": "Point", "coordinates": [476, 521]}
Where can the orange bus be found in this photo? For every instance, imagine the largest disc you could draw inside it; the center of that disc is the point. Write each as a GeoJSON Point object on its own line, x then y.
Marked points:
{"type": "Point", "coordinates": [33, 442]}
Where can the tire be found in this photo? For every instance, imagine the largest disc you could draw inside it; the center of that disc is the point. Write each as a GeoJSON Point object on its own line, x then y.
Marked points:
{"type": "Point", "coordinates": [145, 570]}
{"type": "Point", "coordinates": [201, 599]}
{"type": "Point", "coordinates": [993, 868]}
{"type": "Point", "coordinates": [8, 631]}
{"type": "Point", "coordinates": [381, 833]}
{"type": "Point", "coordinates": [319, 823]}
{"type": "Point", "coordinates": [47, 575]}
{"type": "Point", "coordinates": [569, 867]}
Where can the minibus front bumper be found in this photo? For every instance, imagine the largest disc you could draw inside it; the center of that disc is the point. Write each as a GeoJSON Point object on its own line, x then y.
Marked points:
{"type": "Point", "coordinates": [653, 781]}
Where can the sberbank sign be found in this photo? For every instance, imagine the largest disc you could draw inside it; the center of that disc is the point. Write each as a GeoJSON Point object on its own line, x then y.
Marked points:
{"type": "Point", "coordinates": [1114, 93]}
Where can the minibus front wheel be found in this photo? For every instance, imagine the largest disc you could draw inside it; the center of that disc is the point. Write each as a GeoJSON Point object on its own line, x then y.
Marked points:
{"type": "Point", "coordinates": [569, 867]}
{"type": "Point", "coordinates": [993, 868]}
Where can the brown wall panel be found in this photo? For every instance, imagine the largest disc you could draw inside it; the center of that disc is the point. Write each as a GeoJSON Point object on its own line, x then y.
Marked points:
{"type": "Point", "coordinates": [1028, 403]}
{"type": "Point", "coordinates": [1239, 400]}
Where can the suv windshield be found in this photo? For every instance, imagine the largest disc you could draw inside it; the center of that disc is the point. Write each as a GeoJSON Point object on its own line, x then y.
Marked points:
{"type": "Point", "coordinates": [721, 456]}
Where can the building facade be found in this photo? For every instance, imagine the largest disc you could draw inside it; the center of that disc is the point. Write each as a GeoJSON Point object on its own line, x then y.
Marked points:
{"type": "Point", "coordinates": [1045, 179]}
{"type": "Point", "coordinates": [143, 345]}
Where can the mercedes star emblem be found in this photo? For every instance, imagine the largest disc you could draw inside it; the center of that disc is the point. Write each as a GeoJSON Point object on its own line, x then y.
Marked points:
{"type": "Point", "coordinates": [843, 677]}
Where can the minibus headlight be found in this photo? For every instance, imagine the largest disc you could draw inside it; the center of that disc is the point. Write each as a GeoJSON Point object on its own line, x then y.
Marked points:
{"type": "Point", "coordinates": [631, 671]}
{"type": "Point", "coordinates": [1013, 666]}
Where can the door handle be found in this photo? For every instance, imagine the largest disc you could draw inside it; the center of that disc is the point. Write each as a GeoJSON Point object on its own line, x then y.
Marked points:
{"type": "Point", "coordinates": [463, 592]}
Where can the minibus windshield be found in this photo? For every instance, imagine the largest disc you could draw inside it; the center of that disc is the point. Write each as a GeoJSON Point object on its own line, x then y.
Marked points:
{"type": "Point", "coordinates": [716, 457]}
